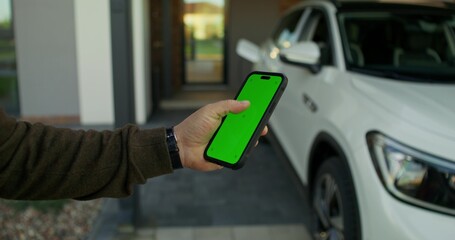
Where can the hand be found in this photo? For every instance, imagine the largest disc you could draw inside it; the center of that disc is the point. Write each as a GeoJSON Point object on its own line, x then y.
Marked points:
{"type": "Point", "coordinates": [194, 133]}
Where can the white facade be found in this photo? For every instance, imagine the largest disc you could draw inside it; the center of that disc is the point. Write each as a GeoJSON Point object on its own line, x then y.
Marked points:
{"type": "Point", "coordinates": [65, 59]}
{"type": "Point", "coordinates": [94, 64]}
{"type": "Point", "coordinates": [141, 60]}
{"type": "Point", "coordinates": [46, 57]}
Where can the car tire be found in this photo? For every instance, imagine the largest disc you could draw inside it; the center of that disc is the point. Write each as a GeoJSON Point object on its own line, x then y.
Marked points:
{"type": "Point", "coordinates": [335, 213]}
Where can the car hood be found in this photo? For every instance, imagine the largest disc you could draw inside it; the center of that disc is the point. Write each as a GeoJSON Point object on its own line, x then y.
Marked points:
{"type": "Point", "coordinates": [425, 105]}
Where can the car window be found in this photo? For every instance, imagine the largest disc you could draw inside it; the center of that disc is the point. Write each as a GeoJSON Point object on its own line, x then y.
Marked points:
{"type": "Point", "coordinates": [418, 45]}
{"type": "Point", "coordinates": [317, 30]}
{"type": "Point", "coordinates": [287, 31]}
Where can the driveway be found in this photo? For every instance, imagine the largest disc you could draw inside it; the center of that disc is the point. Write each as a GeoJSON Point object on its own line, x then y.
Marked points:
{"type": "Point", "coordinates": [264, 198]}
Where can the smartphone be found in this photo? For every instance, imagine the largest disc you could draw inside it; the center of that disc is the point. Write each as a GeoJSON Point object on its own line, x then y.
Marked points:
{"type": "Point", "coordinates": [238, 133]}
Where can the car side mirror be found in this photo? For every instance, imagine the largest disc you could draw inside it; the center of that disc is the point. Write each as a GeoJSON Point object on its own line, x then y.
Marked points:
{"type": "Point", "coordinates": [248, 50]}
{"type": "Point", "coordinates": [304, 54]}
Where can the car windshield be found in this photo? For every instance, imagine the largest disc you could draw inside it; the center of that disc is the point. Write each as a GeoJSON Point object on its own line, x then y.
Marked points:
{"type": "Point", "coordinates": [410, 45]}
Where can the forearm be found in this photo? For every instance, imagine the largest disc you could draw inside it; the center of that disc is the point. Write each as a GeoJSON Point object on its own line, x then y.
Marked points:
{"type": "Point", "coordinates": [42, 162]}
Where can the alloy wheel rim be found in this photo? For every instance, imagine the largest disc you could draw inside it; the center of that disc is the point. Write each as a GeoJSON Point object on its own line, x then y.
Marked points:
{"type": "Point", "coordinates": [329, 211]}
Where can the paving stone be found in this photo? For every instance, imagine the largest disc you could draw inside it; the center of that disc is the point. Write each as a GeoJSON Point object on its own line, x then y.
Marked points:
{"type": "Point", "coordinates": [263, 192]}
{"type": "Point", "coordinates": [289, 232]}
{"type": "Point", "coordinates": [255, 202]}
{"type": "Point", "coordinates": [213, 233]}
{"type": "Point", "coordinates": [175, 234]}
{"type": "Point", "coordinates": [251, 232]}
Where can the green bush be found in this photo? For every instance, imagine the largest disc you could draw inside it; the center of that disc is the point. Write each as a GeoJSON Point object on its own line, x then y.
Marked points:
{"type": "Point", "coordinates": [6, 86]}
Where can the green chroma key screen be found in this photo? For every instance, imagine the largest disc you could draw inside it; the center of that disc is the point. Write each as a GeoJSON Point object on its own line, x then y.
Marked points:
{"type": "Point", "coordinates": [237, 129]}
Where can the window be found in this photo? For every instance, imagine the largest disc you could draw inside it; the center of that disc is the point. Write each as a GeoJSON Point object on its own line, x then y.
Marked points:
{"type": "Point", "coordinates": [416, 46]}
{"type": "Point", "coordinates": [8, 76]}
{"type": "Point", "coordinates": [317, 30]}
{"type": "Point", "coordinates": [287, 31]}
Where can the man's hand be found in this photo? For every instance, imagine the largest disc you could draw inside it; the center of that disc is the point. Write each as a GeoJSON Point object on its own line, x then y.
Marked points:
{"type": "Point", "coordinates": [194, 133]}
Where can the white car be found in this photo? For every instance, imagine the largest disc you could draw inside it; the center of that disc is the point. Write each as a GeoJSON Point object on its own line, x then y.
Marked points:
{"type": "Point", "coordinates": [368, 116]}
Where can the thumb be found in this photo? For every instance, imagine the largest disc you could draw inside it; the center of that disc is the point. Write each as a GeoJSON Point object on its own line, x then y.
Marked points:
{"type": "Point", "coordinates": [222, 108]}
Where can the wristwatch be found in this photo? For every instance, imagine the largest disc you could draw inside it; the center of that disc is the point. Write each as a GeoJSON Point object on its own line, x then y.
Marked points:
{"type": "Point", "coordinates": [173, 148]}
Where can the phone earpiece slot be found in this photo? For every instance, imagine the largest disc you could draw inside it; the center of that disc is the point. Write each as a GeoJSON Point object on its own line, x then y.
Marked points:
{"type": "Point", "coordinates": [265, 77]}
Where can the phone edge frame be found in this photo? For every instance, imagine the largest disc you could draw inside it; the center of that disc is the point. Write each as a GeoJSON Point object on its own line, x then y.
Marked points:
{"type": "Point", "coordinates": [257, 132]}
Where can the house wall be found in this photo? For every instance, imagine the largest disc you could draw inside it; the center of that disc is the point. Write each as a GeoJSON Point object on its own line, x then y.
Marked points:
{"type": "Point", "coordinates": [46, 57]}
{"type": "Point", "coordinates": [94, 61]}
{"type": "Point", "coordinates": [253, 20]}
{"type": "Point", "coordinates": [142, 61]}
{"type": "Point", "coordinates": [64, 59]}
{"type": "Point", "coordinates": [65, 56]}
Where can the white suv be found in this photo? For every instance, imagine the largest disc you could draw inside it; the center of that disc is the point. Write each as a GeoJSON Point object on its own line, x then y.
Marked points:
{"type": "Point", "coordinates": [368, 117]}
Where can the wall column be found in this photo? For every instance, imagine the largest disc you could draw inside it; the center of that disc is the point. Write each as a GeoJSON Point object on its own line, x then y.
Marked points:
{"type": "Point", "coordinates": [94, 61]}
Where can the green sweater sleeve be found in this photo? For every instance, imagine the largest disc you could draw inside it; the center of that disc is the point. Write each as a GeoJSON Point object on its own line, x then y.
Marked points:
{"type": "Point", "coordinates": [44, 162]}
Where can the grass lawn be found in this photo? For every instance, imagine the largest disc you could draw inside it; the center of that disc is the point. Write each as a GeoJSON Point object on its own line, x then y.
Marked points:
{"type": "Point", "coordinates": [7, 50]}
{"type": "Point", "coordinates": [43, 206]}
{"type": "Point", "coordinates": [206, 47]}
{"type": "Point", "coordinates": [7, 84]}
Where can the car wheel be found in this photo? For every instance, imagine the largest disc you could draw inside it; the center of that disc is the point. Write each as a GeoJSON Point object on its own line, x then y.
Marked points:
{"type": "Point", "coordinates": [335, 211]}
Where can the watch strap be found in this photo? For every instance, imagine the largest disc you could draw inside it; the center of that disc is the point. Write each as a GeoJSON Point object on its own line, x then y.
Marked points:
{"type": "Point", "coordinates": [173, 148]}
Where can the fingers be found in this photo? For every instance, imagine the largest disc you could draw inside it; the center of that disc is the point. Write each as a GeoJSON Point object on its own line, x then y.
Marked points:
{"type": "Point", "coordinates": [222, 108]}
{"type": "Point", "coordinates": [265, 131]}
{"type": "Point", "coordinates": [239, 106]}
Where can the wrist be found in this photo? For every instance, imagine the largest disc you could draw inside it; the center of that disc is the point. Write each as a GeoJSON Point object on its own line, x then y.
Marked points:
{"type": "Point", "coordinates": [173, 148]}
{"type": "Point", "coordinates": [179, 139]}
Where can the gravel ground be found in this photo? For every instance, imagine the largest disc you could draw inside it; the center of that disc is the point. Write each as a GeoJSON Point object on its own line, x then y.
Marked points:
{"type": "Point", "coordinates": [73, 221]}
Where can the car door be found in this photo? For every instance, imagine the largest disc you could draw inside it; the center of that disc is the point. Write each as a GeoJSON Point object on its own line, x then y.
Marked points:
{"type": "Point", "coordinates": [296, 121]}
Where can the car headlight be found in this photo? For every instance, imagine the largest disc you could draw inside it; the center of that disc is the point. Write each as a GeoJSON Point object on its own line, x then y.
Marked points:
{"type": "Point", "coordinates": [413, 176]}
